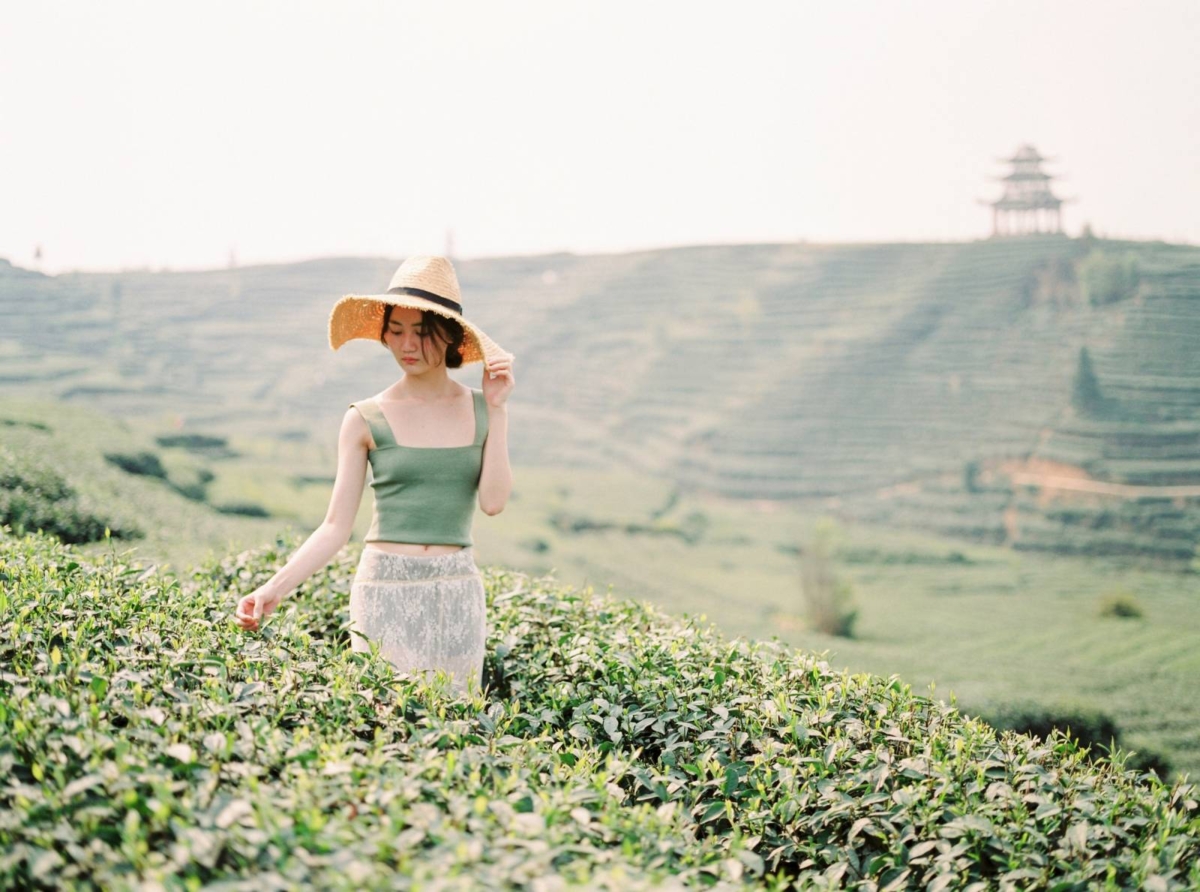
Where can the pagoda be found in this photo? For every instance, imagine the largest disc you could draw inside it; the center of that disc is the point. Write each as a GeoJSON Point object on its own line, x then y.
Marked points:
{"type": "Point", "coordinates": [1027, 205]}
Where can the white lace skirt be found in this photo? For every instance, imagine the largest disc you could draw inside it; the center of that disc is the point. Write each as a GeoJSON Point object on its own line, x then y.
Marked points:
{"type": "Point", "coordinates": [427, 612]}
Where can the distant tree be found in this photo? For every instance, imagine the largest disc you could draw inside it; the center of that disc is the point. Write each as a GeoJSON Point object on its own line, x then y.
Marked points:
{"type": "Point", "coordinates": [1122, 604]}
{"type": "Point", "coordinates": [145, 464]}
{"type": "Point", "coordinates": [971, 476]}
{"type": "Point", "coordinates": [1107, 278]}
{"type": "Point", "coordinates": [1086, 396]}
{"type": "Point", "coordinates": [828, 600]}
{"type": "Point", "coordinates": [246, 509]}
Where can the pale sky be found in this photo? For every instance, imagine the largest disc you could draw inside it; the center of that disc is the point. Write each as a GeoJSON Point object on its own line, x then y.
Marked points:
{"type": "Point", "coordinates": [164, 134]}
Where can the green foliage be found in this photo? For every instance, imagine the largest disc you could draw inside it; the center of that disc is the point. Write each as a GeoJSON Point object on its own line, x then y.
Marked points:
{"type": "Point", "coordinates": [199, 442]}
{"type": "Point", "coordinates": [1121, 604]}
{"type": "Point", "coordinates": [1085, 389]}
{"type": "Point", "coordinates": [694, 526]}
{"type": "Point", "coordinates": [155, 742]}
{"type": "Point", "coordinates": [1091, 728]}
{"type": "Point", "coordinates": [246, 509]}
{"type": "Point", "coordinates": [873, 554]}
{"type": "Point", "coordinates": [72, 441]}
{"type": "Point", "coordinates": [34, 496]}
{"type": "Point", "coordinates": [828, 599]}
{"type": "Point", "coordinates": [691, 530]}
{"type": "Point", "coordinates": [1107, 277]}
{"type": "Point", "coordinates": [145, 464]}
{"type": "Point", "coordinates": [195, 488]}
{"type": "Point", "coordinates": [15, 422]}
{"type": "Point", "coordinates": [971, 476]}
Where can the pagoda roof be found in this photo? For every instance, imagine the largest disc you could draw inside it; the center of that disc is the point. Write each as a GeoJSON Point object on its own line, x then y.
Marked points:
{"type": "Point", "coordinates": [1027, 175]}
{"type": "Point", "coordinates": [1026, 153]}
{"type": "Point", "coordinates": [1027, 204]}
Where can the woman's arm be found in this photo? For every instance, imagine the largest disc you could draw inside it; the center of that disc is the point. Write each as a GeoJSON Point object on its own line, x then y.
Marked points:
{"type": "Point", "coordinates": [334, 532]}
{"type": "Point", "coordinates": [328, 538]}
{"type": "Point", "coordinates": [495, 478]}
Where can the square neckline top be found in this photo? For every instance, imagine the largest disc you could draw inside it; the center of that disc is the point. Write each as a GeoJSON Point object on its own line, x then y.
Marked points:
{"type": "Point", "coordinates": [423, 494]}
{"type": "Point", "coordinates": [380, 423]}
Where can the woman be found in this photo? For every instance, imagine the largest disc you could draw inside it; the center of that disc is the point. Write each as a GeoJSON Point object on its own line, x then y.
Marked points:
{"type": "Point", "coordinates": [433, 446]}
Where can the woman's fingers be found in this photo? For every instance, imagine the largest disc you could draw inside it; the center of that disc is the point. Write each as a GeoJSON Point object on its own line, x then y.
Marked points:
{"type": "Point", "coordinates": [248, 612]}
{"type": "Point", "coordinates": [500, 367]}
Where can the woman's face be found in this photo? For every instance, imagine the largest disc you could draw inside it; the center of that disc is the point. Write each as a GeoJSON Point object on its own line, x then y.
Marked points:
{"type": "Point", "coordinates": [403, 338]}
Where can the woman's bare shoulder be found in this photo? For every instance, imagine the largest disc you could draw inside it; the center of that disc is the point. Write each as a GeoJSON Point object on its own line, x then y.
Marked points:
{"type": "Point", "coordinates": [355, 425]}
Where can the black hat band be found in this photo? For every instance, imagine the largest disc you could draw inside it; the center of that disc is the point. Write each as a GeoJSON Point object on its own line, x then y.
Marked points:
{"type": "Point", "coordinates": [428, 295]}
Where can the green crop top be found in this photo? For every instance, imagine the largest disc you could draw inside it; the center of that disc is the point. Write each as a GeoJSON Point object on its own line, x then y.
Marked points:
{"type": "Point", "coordinates": [423, 494]}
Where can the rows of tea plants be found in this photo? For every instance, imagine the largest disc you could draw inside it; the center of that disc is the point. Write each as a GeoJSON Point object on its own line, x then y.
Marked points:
{"type": "Point", "coordinates": [147, 739]}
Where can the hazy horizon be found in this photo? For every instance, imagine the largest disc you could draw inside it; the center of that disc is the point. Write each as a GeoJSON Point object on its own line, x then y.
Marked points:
{"type": "Point", "coordinates": [143, 136]}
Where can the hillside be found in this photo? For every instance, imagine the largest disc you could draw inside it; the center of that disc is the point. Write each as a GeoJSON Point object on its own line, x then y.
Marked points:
{"type": "Point", "coordinates": [878, 379]}
{"type": "Point", "coordinates": [77, 471]}
{"type": "Point", "coordinates": [998, 629]}
{"type": "Point", "coordinates": [154, 741]}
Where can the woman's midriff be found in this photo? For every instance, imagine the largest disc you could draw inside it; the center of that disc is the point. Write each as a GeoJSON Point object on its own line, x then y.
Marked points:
{"type": "Point", "coordinates": [412, 547]}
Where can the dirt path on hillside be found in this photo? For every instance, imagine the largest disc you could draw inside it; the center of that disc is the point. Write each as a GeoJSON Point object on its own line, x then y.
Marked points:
{"type": "Point", "coordinates": [1083, 484]}
{"type": "Point", "coordinates": [1051, 475]}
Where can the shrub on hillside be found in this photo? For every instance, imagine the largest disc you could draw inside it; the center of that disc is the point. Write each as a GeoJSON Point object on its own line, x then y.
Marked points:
{"type": "Point", "coordinates": [34, 496]}
{"type": "Point", "coordinates": [1107, 278]}
{"type": "Point", "coordinates": [144, 464]}
{"type": "Point", "coordinates": [1121, 604]}
{"type": "Point", "coordinates": [828, 599]}
{"type": "Point", "coordinates": [196, 488]}
{"type": "Point", "coordinates": [245, 509]}
{"type": "Point", "coordinates": [1086, 395]}
{"type": "Point", "coordinates": [1091, 728]}
{"type": "Point", "coordinates": [971, 476]}
{"type": "Point", "coordinates": [15, 422]}
{"type": "Point", "coordinates": [199, 442]}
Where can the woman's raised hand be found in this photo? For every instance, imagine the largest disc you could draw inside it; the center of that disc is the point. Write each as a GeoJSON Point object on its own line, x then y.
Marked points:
{"type": "Point", "coordinates": [254, 606]}
{"type": "Point", "coordinates": [498, 381]}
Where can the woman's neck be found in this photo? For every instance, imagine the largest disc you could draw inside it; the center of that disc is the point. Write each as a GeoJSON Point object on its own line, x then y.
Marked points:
{"type": "Point", "coordinates": [433, 385]}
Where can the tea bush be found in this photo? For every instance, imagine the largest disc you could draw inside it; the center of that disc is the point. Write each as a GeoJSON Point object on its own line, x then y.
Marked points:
{"type": "Point", "coordinates": [196, 486]}
{"type": "Point", "coordinates": [144, 464]}
{"type": "Point", "coordinates": [1107, 277]}
{"type": "Point", "coordinates": [191, 441]}
{"type": "Point", "coordinates": [1091, 728]}
{"type": "Point", "coordinates": [148, 739]}
{"type": "Point", "coordinates": [246, 509]}
{"type": "Point", "coordinates": [200, 444]}
{"type": "Point", "coordinates": [1121, 604]}
{"type": "Point", "coordinates": [34, 496]}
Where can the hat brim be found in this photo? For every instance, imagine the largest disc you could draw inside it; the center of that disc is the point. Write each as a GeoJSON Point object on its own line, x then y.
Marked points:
{"type": "Point", "coordinates": [361, 316]}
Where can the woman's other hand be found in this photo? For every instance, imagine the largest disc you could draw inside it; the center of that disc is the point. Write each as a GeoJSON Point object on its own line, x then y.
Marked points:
{"type": "Point", "coordinates": [498, 381]}
{"type": "Point", "coordinates": [254, 606]}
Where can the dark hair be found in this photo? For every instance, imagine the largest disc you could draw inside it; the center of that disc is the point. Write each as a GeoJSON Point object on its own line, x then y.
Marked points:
{"type": "Point", "coordinates": [448, 330]}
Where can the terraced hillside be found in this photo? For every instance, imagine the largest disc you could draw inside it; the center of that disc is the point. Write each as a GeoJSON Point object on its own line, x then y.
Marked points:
{"type": "Point", "coordinates": [1119, 475]}
{"type": "Point", "coordinates": [872, 377]}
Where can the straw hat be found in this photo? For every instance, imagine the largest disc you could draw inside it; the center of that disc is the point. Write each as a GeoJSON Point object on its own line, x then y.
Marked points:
{"type": "Point", "coordinates": [422, 282]}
